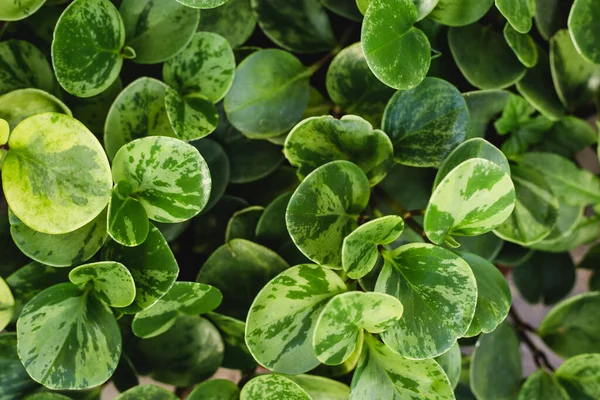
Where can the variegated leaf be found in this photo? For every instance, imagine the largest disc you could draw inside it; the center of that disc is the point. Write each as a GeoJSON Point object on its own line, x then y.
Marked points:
{"type": "Point", "coordinates": [451, 363]}
{"type": "Point", "coordinates": [583, 31]}
{"type": "Point", "coordinates": [383, 374]}
{"type": "Point", "coordinates": [324, 209]}
{"type": "Point", "coordinates": [110, 281]}
{"type": "Point", "coordinates": [23, 66]}
{"type": "Point", "coordinates": [215, 389]}
{"type": "Point", "coordinates": [168, 176]}
{"type": "Point", "coordinates": [19, 104]}
{"type": "Point", "coordinates": [56, 177]}
{"type": "Point", "coordinates": [318, 140]}
{"type": "Point", "coordinates": [274, 387]}
{"type": "Point", "coordinates": [62, 250]}
{"type": "Point", "coordinates": [234, 20]}
{"type": "Point", "coordinates": [321, 388]}
{"type": "Point", "coordinates": [202, 4]}
{"type": "Point", "coordinates": [14, 380]}
{"type": "Point", "coordinates": [68, 339]}
{"type": "Point", "coordinates": [580, 376]}
{"type": "Point", "coordinates": [237, 355]}
{"type": "Point", "coordinates": [472, 199]}
{"type": "Point", "coordinates": [339, 325]}
{"type": "Point", "coordinates": [86, 47]}
{"type": "Point", "coordinates": [542, 385]}
{"type": "Point", "coordinates": [188, 298]}
{"type": "Point", "coordinates": [359, 251]}
{"type": "Point", "coordinates": [127, 219]}
{"type": "Point", "coordinates": [152, 265]}
{"type": "Point", "coordinates": [192, 117]}
{"type": "Point", "coordinates": [7, 305]}
{"type": "Point", "coordinates": [150, 392]}
{"type": "Point", "coordinates": [439, 294]}
{"type": "Point", "coordinates": [14, 10]}
{"type": "Point", "coordinates": [283, 317]}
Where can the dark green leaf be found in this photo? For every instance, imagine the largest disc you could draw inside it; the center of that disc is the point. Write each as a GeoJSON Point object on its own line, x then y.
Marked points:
{"type": "Point", "coordinates": [233, 20]}
{"type": "Point", "coordinates": [460, 12]}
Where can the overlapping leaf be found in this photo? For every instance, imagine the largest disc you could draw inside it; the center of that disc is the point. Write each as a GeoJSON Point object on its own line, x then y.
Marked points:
{"type": "Point", "coordinates": [275, 386]}
{"type": "Point", "coordinates": [24, 66]}
{"type": "Point", "coordinates": [19, 104]}
{"type": "Point", "coordinates": [110, 281]}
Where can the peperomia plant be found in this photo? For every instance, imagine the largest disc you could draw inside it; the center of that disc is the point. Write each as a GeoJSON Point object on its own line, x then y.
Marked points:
{"type": "Point", "coordinates": [339, 203]}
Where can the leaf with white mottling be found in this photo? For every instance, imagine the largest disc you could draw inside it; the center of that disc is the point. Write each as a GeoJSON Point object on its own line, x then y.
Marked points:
{"type": "Point", "coordinates": [23, 66]}
{"type": "Point", "coordinates": [127, 219]}
{"type": "Point", "coordinates": [111, 282]}
{"type": "Point", "coordinates": [147, 392]}
{"type": "Point", "coordinates": [19, 104]}
{"type": "Point", "coordinates": [542, 385]}
{"type": "Point", "coordinates": [7, 305]}
{"type": "Point", "coordinates": [192, 117]}
{"type": "Point", "coordinates": [215, 389]}
{"type": "Point", "coordinates": [580, 376]}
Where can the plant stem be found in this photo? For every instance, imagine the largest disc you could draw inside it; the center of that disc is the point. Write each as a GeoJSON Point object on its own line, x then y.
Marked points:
{"type": "Point", "coordinates": [319, 64]}
{"type": "Point", "coordinates": [539, 357]}
{"type": "Point", "coordinates": [246, 376]}
{"type": "Point", "coordinates": [407, 216]}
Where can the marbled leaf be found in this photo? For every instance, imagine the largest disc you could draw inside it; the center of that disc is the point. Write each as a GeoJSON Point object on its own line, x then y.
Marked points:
{"type": "Point", "coordinates": [451, 363]}
{"type": "Point", "coordinates": [7, 305]}
{"type": "Point", "coordinates": [14, 10]}
{"type": "Point", "coordinates": [192, 117]}
{"type": "Point", "coordinates": [23, 66]}
{"type": "Point", "coordinates": [110, 281]}
{"type": "Point", "coordinates": [127, 219]}
{"type": "Point", "coordinates": [14, 380]}
{"type": "Point", "coordinates": [19, 104]}
{"type": "Point", "coordinates": [274, 387]}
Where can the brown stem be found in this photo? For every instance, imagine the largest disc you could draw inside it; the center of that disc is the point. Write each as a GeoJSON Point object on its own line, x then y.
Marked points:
{"type": "Point", "coordinates": [246, 376]}
{"type": "Point", "coordinates": [539, 357]}
{"type": "Point", "coordinates": [407, 216]}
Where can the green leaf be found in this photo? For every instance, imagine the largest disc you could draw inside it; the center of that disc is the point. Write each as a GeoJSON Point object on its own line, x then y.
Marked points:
{"type": "Point", "coordinates": [168, 176]}
{"type": "Point", "coordinates": [484, 106]}
{"type": "Point", "coordinates": [209, 227]}
{"type": "Point", "coordinates": [352, 86]}
{"type": "Point", "coordinates": [493, 295]}
{"type": "Point", "coordinates": [318, 140]}
{"type": "Point", "coordinates": [542, 385]}
{"type": "Point", "coordinates": [487, 246]}
{"type": "Point", "coordinates": [268, 82]}
{"type": "Point", "coordinates": [218, 165]}
{"type": "Point", "coordinates": [522, 45]}
{"type": "Point", "coordinates": [484, 57]}
{"type": "Point", "coordinates": [451, 363]}
{"type": "Point", "coordinates": [215, 389]}
{"type": "Point", "coordinates": [433, 319]}
{"type": "Point", "coordinates": [339, 326]}
{"type": "Point", "coordinates": [320, 388]}
{"type": "Point", "coordinates": [86, 48]}
{"type": "Point", "coordinates": [56, 177]}
{"type": "Point", "coordinates": [125, 376]}
{"type": "Point", "coordinates": [516, 114]}
{"type": "Point", "coordinates": [138, 111]}
{"type": "Point", "coordinates": [47, 396]}
{"type": "Point", "coordinates": [157, 29]}
{"type": "Point", "coordinates": [536, 210]}
{"type": "Point", "coordinates": [273, 386]}
{"type": "Point", "coordinates": [568, 136]}
{"type": "Point", "coordinates": [383, 374]}
{"type": "Point", "coordinates": [517, 12]}
{"type": "Point", "coordinates": [189, 298]}
{"type": "Point", "coordinates": [68, 339]}
{"type": "Point", "coordinates": [61, 250]}
{"type": "Point", "coordinates": [147, 392]}
{"type": "Point", "coordinates": [399, 57]}
{"type": "Point", "coordinates": [7, 305]}
{"type": "Point", "coordinates": [192, 117]}
{"type": "Point", "coordinates": [14, 10]}
{"type": "Point", "coordinates": [234, 20]}
{"type": "Point", "coordinates": [92, 111]}
{"type": "Point", "coordinates": [282, 319]}
{"type": "Point", "coordinates": [551, 16]}
{"type": "Point", "coordinates": [301, 29]}
{"type": "Point", "coordinates": [111, 282]}
{"type": "Point", "coordinates": [19, 104]}
{"type": "Point", "coordinates": [573, 326]}
{"type": "Point", "coordinates": [579, 376]}
{"type": "Point", "coordinates": [497, 352]}
{"type": "Point", "coordinates": [242, 224]}
{"type": "Point", "coordinates": [127, 219]}
{"type": "Point", "coordinates": [152, 265]}
{"type": "Point", "coordinates": [432, 118]}
{"type": "Point", "coordinates": [14, 380]}
{"type": "Point", "coordinates": [202, 4]}
{"type": "Point", "coordinates": [569, 218]}
{"type": "Point", "coordinates": [237, 355]}
{"type": "Point", "coordinates": [474, 198]}
{"type": "Point", "coordinates": [360, 247]}
{"type": "Point", "coordinates": [460, 12]}
{"type": "Point", "coordinates": [583, 29]}
{"type": "Point", "coordinates": [23, 66]}
{"type": "Point", "coordinates": [206, 66]}
{"type": "Point", "coordinates": [325, 209]}
{"type": "Point", "coordinates": [253, 266]}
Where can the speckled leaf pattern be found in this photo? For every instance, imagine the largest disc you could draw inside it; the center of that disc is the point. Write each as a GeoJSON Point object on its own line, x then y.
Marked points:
{"type": "Point", "coordinates": [324, 209]}
{"type": "Point", "coordinates": [338, 328]}
{"type": "Point", "coordinates": [215, 389]}
{"type": "Point", "coordinates": [22, 66]}
{"type": "Point", "coordinates": [522, 45]}
{"type": "Point", "coordinates": [383, 374]}
{"type": "Point", "coordinates": [474, 198]}
{"type": "Point", "coordinates": [206, 66]}
{"type": "Point", "coordinates": [439, 294]}
{"type": "Point", "coordinates": [86, 48]}
{"type": "Point", "coordinates": [189, 298]}
{"type": "Point", "coordinates": [426, 123]}
{"type": "Point", "coordinates": [460, 12]}
{"type": "Point", "coordinates": [60, 250]}
{"type": "Point", "coordinates": [15, 380]}
{"type": "Point", "coordinates": [234, 20]}
{"type": "Point", "coordinates": [517, 12]}
{"type": "Point", "coordinates": [14, 10]}
{"type": "Point", "coordinates": [318, 140]}
{"type": "Point", "coordinates": [56, 177]}
{"type": "Point", "coordinates": [580, 376]}
{"type": "Point", "coordinates": [148, 23]}
{"type": "Point", "coordinates": [274, 387]}
{"type": "Point", "coordinates": [451, 363]}
{"type": "Point", "coordinates": [168, 176]}
{"type": "Point", "coordinates": [7, 305]}
{"type": "Point", "coordinates": [127, 219]}
{"type": "Point", "coordinates": [192, 117]}
{"type": "Point", "coordinates": [283, 316]}
{"type": "Point", "coordinates": [19, 104]}
{"type": "Point", "coordinates": [298, 26]}
{"type": "Point", "coordinates": [111, 281]}
{"type": "Point", "coordinates": [67, 339]}
{"type": "Point", "coordinates": [584, 29]}
{"type": "Point", "coordinates": [152, 265]}
{"type": "Point", "coordinates": [398, 54]}
{"type": "Point", "coordinates": [150, 392]}
{"type": "Point", "coordinates": [266, 83]}
{"type": "Point", "coordinates": [360, 248]}
{"type": "Point", "coordinates": [542, 385]}
{"type": "Point", "coordinates": [138, 111]}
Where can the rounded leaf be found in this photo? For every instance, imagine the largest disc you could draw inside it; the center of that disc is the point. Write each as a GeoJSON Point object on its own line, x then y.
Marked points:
{"type": "Point", "coordinates": [202, 3]}
{"type": "Point", "coordinates": [484, 106]}
{"type": "Point", "coordinates": [23, 66]}
{"type": "Point", "coordinates": [218, 165]}
{"type": "Point", "coordinates": [517, 12]}
{"type": "Point", "coordinates": [19, 104]}
{"type": "Point", "coordinates": [11, 10]}
{"type": "Point", "coordinates": [460, 12]}
{"type": "Point", "coordinates": [234, 20]}
{"type": "Point", "coordinates": [274, 386]}
{"type": "Point", "coordinates": [522, 45]}
{"type": "Point", "coordinates": [192, 117]}
{"type": "Point", "coordinates": [7, 305]}
{"type": "Point", "coordinates": [92, 111]}
{"type": "Point", "coordinates": [451, 363]}
{"type": "Point", "coordinates": [215, 389]}
{"type": "Point", "coordinates": [583, 29]}
{"type": "Point", "coordinates": [237, 355]}
{"type": "Point", "coordinates": [579, 376]}
{"type": "Point", "coordinates": [127, 219]}
{"type": "Point", "coordinates": [242, 224]}
{"type": "Point", "coordinates": [16, 383]}
{"type": "Point", "coordinates": [147, 392]}
{"type": "Point", "coordinates": [112, 282]}
{"type": "Point", "coordinates": [542, 385]}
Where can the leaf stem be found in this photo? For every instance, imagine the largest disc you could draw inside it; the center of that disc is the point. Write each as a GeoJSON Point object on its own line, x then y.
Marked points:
{"type": "Point", "coordinates": [407, 216]}
{"type": "Point", "coordinates": [247, 375]}
{"type": "Point", "coordinates": [319, 64]}
{"type": "Point", "coordinates": [539, 357]}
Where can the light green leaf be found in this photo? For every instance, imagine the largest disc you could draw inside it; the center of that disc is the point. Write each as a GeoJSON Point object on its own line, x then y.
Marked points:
{"type": "Point", "coordinates": [152, 265]}
{"type": "Point", "coordinates": [301, 29]}
{"type": "Point", "coordinates": [580, 376]}
{"type": "Point", "coordinates": [202, 4]}
{"type": "Point", "coordinates": [266, 83]}
{"type": "Point", "coordinates": [318, 140]}
{"type": "Point", "coordinates": [110, 281]}
{"type": "Point", "coordinates": [398, 54]}
{"type": "Point", "coordinates": [542, 385]}
{"type": "Point", "coordinates": [192, 117]}
{"type": "Point", "coordinates": [7, 305]}
{"type": "Point", "coordinates": [14, 10]}
{"type": "Point", "coordinates": [234, 20]}
{"type": "Point", "coordinates": [56, 177]}
{"type": "Point", "coordinates": [338, 328]}
{"type": "Point", "coordinates": [147, 392]}
{"type": "Point", "coordinates": [215, 389]}
{"type": "Point", "coordinates": [360, 248]}
{"type": "Point", "coordinates": [517, 12]}
{"type": "Point", "coordinates": [23, 66]}
{"type": "Point", "coordinates": [86, 48]}
{"type": "Point", "coordinates": [273, 386]}
{"type": "Point", "coordinates": [433, 318]}
{"type": "Point", "coordinates": [522, 45]}
{"type": "Point", "coordinates": [432, 118]}
{"type": "Point", "coordinates": [484, 106]}
{"type": "Point", "coordinates": [62, 250]}
{"type": "Point", "coordinates": [325, 209]}
{"type": "Point", "coordinates": [460, 12]}
{"type": "Point", "coordinates": [382, 374]}
{"type": "Point", "coordinates": [496, 367]}
{"type": "Point", "coordinates": [583, 29]}
{"type": "Point", "coordinates": [320, 388]}
{"type": "Point", "coordinates": [127, 219]}
{"type": "Point", "coordinates": [14, 380]}
{"type": "Point", "coordinates": [168, 176]}
{"type": "Point", "coordinates": [451, 363]}
{"type": "Point", "coordinates": [188, 298]}
{"type": "Point", "coordinates": [218, 165]}
{"type": "Point", "coordinates": [157, 29]}
{"type": "Point", "coordinates": [68, 339]}
{"type": "Point", "coordinates": [242, 224]}
{"type": "Point", "coordinates": [282, 319]}
{"type": "Point", "coordinates": [424, 7]}
{"type": "Point", "coordinates": [237, 355]}
{"type": "Point", "coordinates": [573, 326]}
{"type": "Point", "coordinates": [19, 104]}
